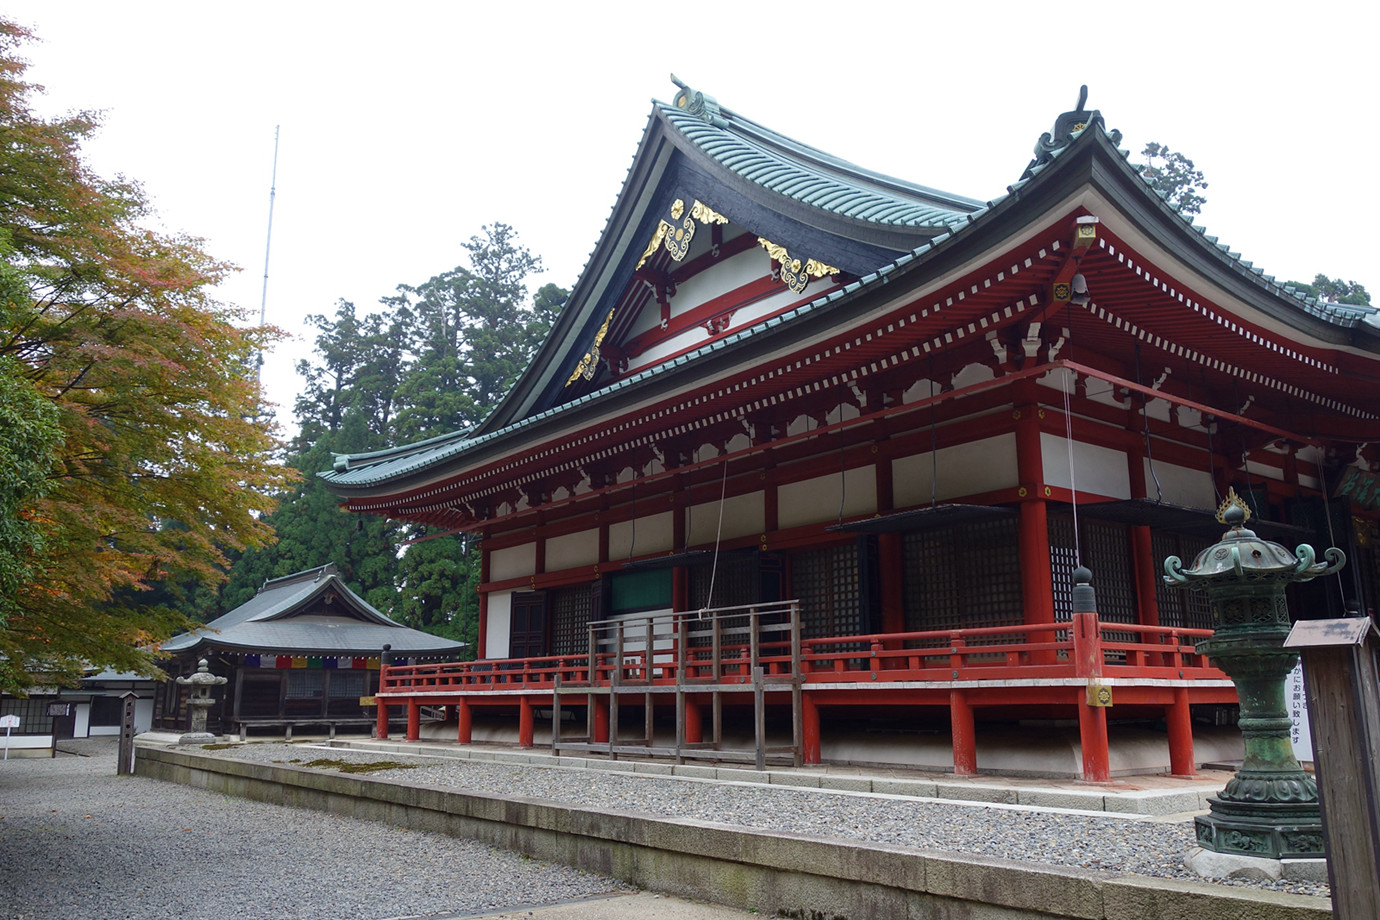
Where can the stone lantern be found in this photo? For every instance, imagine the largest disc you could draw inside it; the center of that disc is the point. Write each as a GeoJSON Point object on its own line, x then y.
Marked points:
{"type": "Point", "coordinates": [199, 701]}
{"type": "Point", "coordinates": [1269, 809]}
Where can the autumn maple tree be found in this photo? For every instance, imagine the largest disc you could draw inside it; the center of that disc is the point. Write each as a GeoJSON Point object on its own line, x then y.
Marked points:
{"type": "Point", "coordinates": [133, 452]}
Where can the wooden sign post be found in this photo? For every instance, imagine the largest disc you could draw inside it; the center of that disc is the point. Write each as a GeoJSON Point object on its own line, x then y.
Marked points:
{"type": "Point", "coordinates": [1340, 659]}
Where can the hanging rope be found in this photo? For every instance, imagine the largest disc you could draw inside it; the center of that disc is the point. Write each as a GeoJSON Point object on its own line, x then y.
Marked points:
{"type": "Point", "coordinates": [1145, 417]}
{"type": "Point", "coordinates": [714, 568]}
{"type": "Point", "coordinates": [934, 443]}
{"type": "Point", "coordinates": [632, 540]}
{"type": "Point", "coordinates": [1073, 484]}
{"type": "Point", "coordinates": [1331, 534]}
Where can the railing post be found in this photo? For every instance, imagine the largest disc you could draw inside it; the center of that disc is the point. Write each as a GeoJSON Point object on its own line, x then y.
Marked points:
{"type": "Point", "coordinates": [809, 730]}
{"type": "Point", "coordinates": [1087, 656]}
{"type": "Point", "coordinates": [414, 720]}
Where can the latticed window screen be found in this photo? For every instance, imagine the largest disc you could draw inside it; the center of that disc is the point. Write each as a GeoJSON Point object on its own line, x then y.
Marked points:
{"type": "Point", "coordinates": [735, 583]}
{"type": "Point", "coordinates": [1179, 608]}
{"type": "Point", "coordinates": [1107, 552]}
{"type": "Point", "coordinates": [963, 576]}
{"type": "Point", "coordinates": [306, 684]}
{"type": "Point", "coordinates": [570, 608]}
{"type": "Point", "coordinates": [826, 583]}
{"type": "Point", "coordinates": [345, 684]}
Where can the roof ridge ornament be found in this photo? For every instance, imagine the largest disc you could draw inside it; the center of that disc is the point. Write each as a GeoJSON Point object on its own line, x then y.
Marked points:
{"type": "Point", "coordinates": [693, 102]}
{"type": "Point", "coordinates": [1066, 127]}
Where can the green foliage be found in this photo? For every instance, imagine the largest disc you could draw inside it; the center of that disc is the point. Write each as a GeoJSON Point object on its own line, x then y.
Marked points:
{"type": "Point", "coordinates": [435, 358]}
{"type": "Point", "coordinates": [1334, 290]}
{"type": "Point", "coordinates": [160, 465]}
{"type": "Point", "coordinates": [1175, 176]}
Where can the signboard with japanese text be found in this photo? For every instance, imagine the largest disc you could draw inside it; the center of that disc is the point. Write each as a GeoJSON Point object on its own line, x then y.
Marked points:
{"type": "Point", "coordinates": [1300, 736]}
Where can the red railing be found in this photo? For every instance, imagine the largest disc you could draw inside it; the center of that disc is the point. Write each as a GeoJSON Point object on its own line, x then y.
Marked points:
{"type": "Point", "coordinates": [726, 654]}
{"type": "Point", "coordinates": [1004, 652]}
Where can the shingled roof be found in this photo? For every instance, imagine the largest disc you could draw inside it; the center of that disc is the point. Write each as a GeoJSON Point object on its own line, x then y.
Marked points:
{"type": "Point", "coordinates": [310, 613]}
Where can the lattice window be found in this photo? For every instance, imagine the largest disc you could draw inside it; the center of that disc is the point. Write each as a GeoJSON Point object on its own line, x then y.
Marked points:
{"type": "Point", "coordinates": [306, 684]}
{"type": "Point", "coordinates": [1178, 607]}
{"type": "Point", "coordinates": [347, 684]}
{"type": "Point", "coordinates": [32, 712]}
{"type": "Point", "coordinates": [963, 576]}
{"type": "Point", "coordinates": [1107, 552]}
{"type": "Point", "coordinates": [570, 608]}
{"type": "Point", "coordinates": [734, 584]}
{"type": "Point", "coordinates": [826, 583]}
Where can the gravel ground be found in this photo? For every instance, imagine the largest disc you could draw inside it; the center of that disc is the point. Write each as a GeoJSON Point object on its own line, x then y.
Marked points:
{"type": "Point", "coordinates": [1144, 847]}
{"type": "Point", "coordinates": [78, 842]}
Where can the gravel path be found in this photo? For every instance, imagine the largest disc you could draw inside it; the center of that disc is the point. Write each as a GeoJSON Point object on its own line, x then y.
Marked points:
{"type": "Point", "coordinates": [1145, 847]}
{"type": "Point", "coordinates": [78, 842]}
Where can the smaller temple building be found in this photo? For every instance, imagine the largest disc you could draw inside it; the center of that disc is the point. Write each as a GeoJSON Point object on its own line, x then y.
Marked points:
{"type": "Point", "coordinates": [305, 650]}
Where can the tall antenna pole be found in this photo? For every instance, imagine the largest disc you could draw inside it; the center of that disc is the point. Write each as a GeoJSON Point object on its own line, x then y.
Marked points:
{"type": "Point", "coordinates": [268, 246]}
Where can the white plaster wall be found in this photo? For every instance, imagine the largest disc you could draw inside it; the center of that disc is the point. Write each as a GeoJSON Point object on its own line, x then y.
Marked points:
{"type": "Point", "coordinates": [1096, 470]}
{"type": "Point", "coordinates": [572, 550]}
{"type": "Point", "coordinates": [964, 469]}
{"type": "Point", "coordinates": [743, 515]}
{"type": "Point", "coordinates": [650, 534]}
{"type": "Point", "coordinates": [728, 275]}
{"type": "Point", "coordinates": [81, 723]}
{"type": "Point", "coordinates": [1181, 485]}
{"type": "Point", "coordinates": [499, 625]}
{"type": "Point", "coordinates": [513, 562]}
{"type": "Point", "coordinates": [813, 500]}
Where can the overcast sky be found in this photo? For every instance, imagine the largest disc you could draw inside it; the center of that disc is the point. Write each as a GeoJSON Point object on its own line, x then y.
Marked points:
{"type": "Point", "coordinates": [406, 128]}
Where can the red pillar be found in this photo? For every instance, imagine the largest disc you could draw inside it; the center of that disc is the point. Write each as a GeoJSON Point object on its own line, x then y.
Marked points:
{"type": "Point", "coordinates": [694, 723]}
{"type": "Point", "coordinates": [414, 720]}
{"type": "Point", "coordinates": [525, 721]}
{"type": "Point", "coordinates": [809, 730]}
{"type": "Point", "coordinates": [1092, 733]}
{"type": "Point", "coordinates": [964, 733]}
{"type": "Point", "coordinates": [1037, 583]}
{"type": "Point", "coordinates": [1148, 575]}
{"type": "Point", "coordinates": [601, 719]}
{"type": "Point", "coordinates": [892, 565]}
{"type": "Point", "coordinates": [1181, 759]}
{"type": "Point", "coordinates": [465, 715]}
{"type": "Point", "coordinates": [381, 727]}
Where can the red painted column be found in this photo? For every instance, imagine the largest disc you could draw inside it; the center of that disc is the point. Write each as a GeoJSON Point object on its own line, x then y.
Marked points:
{"type": "Point", "coordinates": [414, 720]}
{"type": "Point", "coordinates": [1181, 759]}
{"type": "Point", "coordinates": [465, 715]}
{"type": "Point", "coordinates": [892, 565]}
{"type": "Point", "coordinates": [1092, 734]}
{"type": "Point", "coordinates": [601, 719]}
{"type": "Point", "coordinates": [964, 732]}
{"type": "Point", "coordinates": [482, 646]}
{"type": "Point", "coordinates": [381, 725]}
{"type": "Point", "coordinates": [809, 730]}
{"type": "Point", "coordinates": [525, 722]}
{"type": "Point", "coordinates": [1037, 583]}
{"type": "Point", "coordinates": [680, 588]}
{"type": "Point", "coordinates": [694, 723]}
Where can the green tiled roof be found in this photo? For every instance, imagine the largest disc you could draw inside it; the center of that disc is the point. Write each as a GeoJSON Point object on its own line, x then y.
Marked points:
{"type": "Point", "coordinates": [813, 177]}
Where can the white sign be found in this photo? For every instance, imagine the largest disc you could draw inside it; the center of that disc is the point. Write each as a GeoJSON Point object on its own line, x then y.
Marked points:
{"type": "Point", "coordinates": [1296, 699]}
{"type": "Point", "coordinates": [9, 721]}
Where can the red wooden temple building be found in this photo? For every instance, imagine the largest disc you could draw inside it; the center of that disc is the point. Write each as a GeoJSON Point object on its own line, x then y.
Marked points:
{"type": "Point", "coordinates": [813, 450]}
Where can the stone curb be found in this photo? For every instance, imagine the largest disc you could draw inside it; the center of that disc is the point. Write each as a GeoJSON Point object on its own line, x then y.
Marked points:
{"type": "Point", "coordinates": [793, 874]}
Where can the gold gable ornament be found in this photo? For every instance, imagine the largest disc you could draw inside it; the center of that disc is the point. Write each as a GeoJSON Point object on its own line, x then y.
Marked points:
{"type": "Point", "coordinates": [677, 239]}
{"type": "Point", "coordinates": [589, 364]}
{"type": "Point", "coordinates": [795, 274]}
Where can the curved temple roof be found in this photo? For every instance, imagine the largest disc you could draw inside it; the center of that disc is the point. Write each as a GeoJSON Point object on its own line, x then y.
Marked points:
{"type": "Point", "coordinates": [284, 618]}
{"type": "Point", "coordinates": [741, 151]}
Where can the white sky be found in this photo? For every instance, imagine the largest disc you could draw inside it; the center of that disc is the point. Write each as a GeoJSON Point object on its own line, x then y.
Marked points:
{"type": "Point", "coordinates": [406, 127]}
